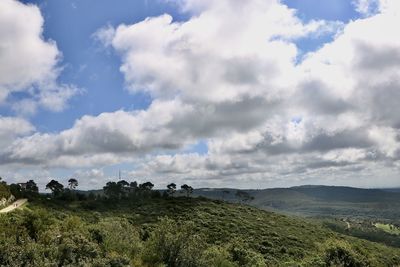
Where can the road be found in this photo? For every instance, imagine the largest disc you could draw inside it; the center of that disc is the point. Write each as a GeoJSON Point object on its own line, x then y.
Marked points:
{"type": "Point", "coordinates": [14, 205]}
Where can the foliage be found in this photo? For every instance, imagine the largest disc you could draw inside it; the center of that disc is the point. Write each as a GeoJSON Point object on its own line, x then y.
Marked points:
{"type": "Point", "coordinates": [4, 191]}
{"type": "Point", "coordinates": [176, 245]}
{"type": "Point", "coordinates": [72, 183]}
{"type": "Point", "coordinates": [340, 253]}
{"type": "Point", "coordinates": [188, 189]}
{"type": "Point", "coordinates": [171, 188]}
{"type": "Point", "coordinates": [55, 187]}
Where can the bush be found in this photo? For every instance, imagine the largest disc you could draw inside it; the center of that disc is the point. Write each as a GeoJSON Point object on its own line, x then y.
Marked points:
{"type": "Point", "coordinates": [340, 253]}
{"type": "Point", "coordinates": [244, 256]}
{"type": "Point", "coordinates": [118, 236]}
{"type": "Point", "coordinates": [217, 257]}
{"type": "Point", "coordinates": [174, 245]}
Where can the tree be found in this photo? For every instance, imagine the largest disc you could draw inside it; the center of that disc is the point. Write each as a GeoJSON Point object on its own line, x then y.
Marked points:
{"type": "Point", "coordinates": [31, 187]}
{"type": "Point", "coordinates": [171, 189]}
{"type": "Point", "coordinates": [72, 183]}
{"type": "Point", "coordinates": [188, 189]}
{"type": "Point", "coordinates": [123, 183]}
{"type": "Point", "coordinates": [124, 187]}
{"type": "Point", "coordinates": [55, 187]}
{"type": "Point", "coordinates": [16, 190]}
{"type": "Point", "coordinates": [27, 190]}
{"type": "Point", "coordinates": [146, 186]}
{"type": "Point", "coordinates": [133, 185]}
{"type": "Point", "coordinates": [113, 190]}
{"type": "Point", "coordinates": [133, 189]}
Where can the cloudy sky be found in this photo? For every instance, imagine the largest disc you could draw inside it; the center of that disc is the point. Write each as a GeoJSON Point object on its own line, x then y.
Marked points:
{"type": "Point", "coordinates": [227, 93]}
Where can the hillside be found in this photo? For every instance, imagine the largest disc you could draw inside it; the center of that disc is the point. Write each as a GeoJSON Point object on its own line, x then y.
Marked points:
{"type": "Point", "coordinates": [199, 232]}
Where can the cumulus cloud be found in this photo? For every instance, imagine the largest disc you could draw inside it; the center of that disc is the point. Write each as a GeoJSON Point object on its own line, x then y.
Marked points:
{"type": "Point", "coordinates": [11, 127]}
{"type": "Point", "coordinates": [28, 63]}
{"type": "Point", "coordinates": [230, 75]}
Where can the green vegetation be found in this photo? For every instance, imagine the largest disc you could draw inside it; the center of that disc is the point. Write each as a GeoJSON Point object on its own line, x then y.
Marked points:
{"type": "Point", "coordinates": [130, 224]}
{"type": "Point", "coordinates": [321, 201]}
{"type": "Point", "coordinates": [364, 229]}
{"type": "Point", "coordinates": [388, 228]}
{"type": "Point", "coordinates": [370, 214]}
{"type": "Point", "coordinates": [4, 191]}
{"type": "Point", "coordinates": [165, 231]}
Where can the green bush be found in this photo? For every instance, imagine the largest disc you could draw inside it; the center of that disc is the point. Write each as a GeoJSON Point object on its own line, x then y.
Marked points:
{"type": "Point", "coordinates": [341, 254]}
{"type": "Point", "coordinates": [174, 244]}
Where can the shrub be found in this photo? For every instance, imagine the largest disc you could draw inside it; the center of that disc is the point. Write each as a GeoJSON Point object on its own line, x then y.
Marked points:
{"type": "Point", "coordinates": [174, 245]}
{"type": "Point", "coordinates": [340, 253]}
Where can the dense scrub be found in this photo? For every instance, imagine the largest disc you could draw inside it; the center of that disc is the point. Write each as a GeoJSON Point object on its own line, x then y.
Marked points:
{"type": "Point", "coordinates": [174, 232]}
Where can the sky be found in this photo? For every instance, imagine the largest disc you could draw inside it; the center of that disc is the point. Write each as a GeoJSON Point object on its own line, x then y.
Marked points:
{"type": "Point", "coordinates": [230, 93]}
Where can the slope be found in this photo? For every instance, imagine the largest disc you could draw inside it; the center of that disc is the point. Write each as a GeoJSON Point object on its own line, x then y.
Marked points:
{"type": "Point", "coordinates": [241, 231]}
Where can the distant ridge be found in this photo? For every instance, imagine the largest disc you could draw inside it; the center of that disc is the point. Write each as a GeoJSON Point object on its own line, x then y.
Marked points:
{"type": "Point", "coordinates": [319, 200]}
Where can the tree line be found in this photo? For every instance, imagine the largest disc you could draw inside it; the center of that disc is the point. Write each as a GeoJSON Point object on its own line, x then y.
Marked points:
{"type": "Point", "coordinates": [112, 190]}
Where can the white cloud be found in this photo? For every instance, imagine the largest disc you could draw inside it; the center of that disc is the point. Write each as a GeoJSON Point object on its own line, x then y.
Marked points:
{"type": "Point", "coordinates": [10, 128]}
{"type": "Point", "coordinates": [91, 178]}
{"type": "Point", "coordinates": [105, 139]}
{"type": "Point", "coordinates": [366, 7]}
{"type": "Point", "coordinates": [230, 50]}
{"type": "Point", "coordinates": [28, 63]}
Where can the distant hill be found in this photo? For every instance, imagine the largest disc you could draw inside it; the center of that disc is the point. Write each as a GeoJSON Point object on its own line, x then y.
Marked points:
{"type": "Point", "coordinates": [315, 200]}
{"type": "Point", "coordinates": [396, 190]}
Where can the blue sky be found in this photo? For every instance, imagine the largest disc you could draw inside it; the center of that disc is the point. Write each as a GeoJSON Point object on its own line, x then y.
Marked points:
{"type": "Point", "coordinates": [221, 111]}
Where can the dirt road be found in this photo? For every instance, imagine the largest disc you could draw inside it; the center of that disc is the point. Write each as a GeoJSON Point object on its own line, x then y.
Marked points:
{"type": "Point", "coordinates": [14, 205]}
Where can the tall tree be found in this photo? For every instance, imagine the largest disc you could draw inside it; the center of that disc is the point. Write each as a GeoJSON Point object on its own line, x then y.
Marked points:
{"type": "Point", "coordinates": [124, 187]}
{"type": "Point", "coordinates": [146, 186]}
{"type": "Point", "coordinates": [133, 189]}
{"type": "Point", "coordinates": [123, 183]}
{"type": "Point", "coordinates": [113, 190]}
{"type": "Point", "coordinates": [133, 185]}
{"type": "Point", "coordinates": [72, 183]}
{"type": "Point", "coordinates": [55, 187]}
{"type": "Point", "coordinates": [188, 189]}
{"type": "Point", "coordinates": [31, 187]}
{"type": "Point", "coordinates": [171, 189]}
